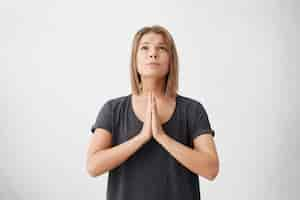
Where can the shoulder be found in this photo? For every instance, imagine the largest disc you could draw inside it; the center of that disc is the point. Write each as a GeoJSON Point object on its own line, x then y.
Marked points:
{"type": "Point", "coordinates": [192, 106]}
{"type": "Point", "coordinates": [189, 102]}
{"type": "Point", "coordinates": [116, 102]}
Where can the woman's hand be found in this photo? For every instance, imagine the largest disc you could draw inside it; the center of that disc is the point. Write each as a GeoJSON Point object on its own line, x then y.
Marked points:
{"type": "Point", "coordinates": [147, 126]}
{"type": "Point", "coordinates": [157, 129]}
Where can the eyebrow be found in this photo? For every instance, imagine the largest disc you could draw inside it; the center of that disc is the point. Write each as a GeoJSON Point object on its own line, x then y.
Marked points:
{"type": "Point", "coordinates": [158, 43]}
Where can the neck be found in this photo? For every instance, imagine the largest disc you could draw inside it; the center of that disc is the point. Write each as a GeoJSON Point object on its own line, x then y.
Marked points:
{"type": "Point", "coordinates": [156, 86]}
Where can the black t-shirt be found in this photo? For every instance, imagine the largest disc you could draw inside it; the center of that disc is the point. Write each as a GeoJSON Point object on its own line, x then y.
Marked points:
{"type": "Point", "coordinates": [151, 172]}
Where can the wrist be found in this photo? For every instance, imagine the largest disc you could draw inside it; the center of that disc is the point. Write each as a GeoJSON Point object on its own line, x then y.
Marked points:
{"type": "Point", "coordinates": [160, 135]}
{"type": "Point", "coordinates": [144, 137]}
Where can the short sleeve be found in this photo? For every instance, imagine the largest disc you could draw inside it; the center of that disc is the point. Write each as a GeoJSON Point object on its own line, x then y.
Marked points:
{"type": "Point", "coordinates": [198, 122]}
{"type": "Point", "coordinates": [104, 118]}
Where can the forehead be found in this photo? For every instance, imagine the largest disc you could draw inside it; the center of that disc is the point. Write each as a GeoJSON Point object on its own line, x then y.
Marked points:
{"type": "Point", "coordinates": [153, 38]}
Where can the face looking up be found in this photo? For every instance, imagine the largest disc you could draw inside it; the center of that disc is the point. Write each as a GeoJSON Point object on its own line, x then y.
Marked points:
{"type": "Point", "coordinates": [152, 56]}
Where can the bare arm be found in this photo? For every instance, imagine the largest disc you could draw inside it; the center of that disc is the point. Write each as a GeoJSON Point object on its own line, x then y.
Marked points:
{"type": "Point", "coordinates": [101, 157]}
{"type": "Point", "coordinates": [202, 160]}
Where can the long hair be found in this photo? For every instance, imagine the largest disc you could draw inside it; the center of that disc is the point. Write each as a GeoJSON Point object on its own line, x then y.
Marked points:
{"type": "Point", "coordinates": [171, 86]}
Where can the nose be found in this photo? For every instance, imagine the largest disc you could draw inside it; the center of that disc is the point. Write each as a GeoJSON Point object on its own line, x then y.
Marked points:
{"type": "Point", "coordinates": [153, 53]}
{"type": "Point", "coordinates": [153, 56]}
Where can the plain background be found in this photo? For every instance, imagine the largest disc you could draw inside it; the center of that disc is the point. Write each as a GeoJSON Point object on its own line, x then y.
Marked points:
{"type": "Point", "coordinates": [61, 60]}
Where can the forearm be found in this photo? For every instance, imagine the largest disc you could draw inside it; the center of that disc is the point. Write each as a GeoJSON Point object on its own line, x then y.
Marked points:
{"type": "Point", "coordinates": [200, 163]}
{"type": "Point", "coordinates": [110, 158]}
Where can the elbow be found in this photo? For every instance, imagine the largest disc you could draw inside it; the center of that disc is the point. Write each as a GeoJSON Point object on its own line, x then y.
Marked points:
{"type": "Point", "coordinates": [213, 172]}
{"type": "Point", "coordinates": [212, 177]}
{"type": "Point", "coordinates": [92, 170]}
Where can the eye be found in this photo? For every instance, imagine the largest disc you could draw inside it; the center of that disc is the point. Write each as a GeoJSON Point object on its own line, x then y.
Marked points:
{"type": "Point", "coordinates": [144, 47]}
{"type": "Point", "coordinates": [163, 48]}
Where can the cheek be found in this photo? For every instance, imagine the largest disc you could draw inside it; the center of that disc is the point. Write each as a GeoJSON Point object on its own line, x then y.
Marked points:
{"type": "Point", "coordinates": [166, 60]}
{"type": "Point", "coordinates": [139, 62]}
{"type": "Point", "coordinates": [140, 57]}
{"type": "Point", "coordinates": [166, 65]}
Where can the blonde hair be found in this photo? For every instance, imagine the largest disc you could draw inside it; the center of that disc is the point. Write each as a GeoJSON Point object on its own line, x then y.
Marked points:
{"type": "Point", "coordinates": [172, 76]}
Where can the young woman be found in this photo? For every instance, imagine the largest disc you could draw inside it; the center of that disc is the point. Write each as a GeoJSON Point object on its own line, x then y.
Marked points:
{"type": "Point", "coordinates": [154, 142]}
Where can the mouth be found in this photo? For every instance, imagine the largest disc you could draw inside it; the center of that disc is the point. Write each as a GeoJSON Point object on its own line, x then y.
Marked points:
{"type": "Point", "coordinates": [153, 63]}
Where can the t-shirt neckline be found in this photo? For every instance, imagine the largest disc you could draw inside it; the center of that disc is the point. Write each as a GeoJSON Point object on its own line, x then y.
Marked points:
{"type": "Point", "coordinates": [142, 122]}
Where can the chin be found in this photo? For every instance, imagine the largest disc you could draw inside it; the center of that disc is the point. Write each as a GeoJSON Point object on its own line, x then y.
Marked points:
{"type": "Point", "coordinates": [154, 75]}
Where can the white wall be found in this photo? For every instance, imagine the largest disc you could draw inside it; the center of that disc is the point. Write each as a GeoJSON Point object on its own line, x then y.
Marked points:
{"type": "Point", "coordinates": [59, 62]}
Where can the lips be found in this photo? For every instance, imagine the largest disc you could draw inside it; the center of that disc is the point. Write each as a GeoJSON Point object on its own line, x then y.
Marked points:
{"type": "Point", "coordinates": [153, 63]}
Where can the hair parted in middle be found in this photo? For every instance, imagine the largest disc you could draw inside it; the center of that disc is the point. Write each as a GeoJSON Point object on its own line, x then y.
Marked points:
{"type": "Point", "coordinates": [171, 82]}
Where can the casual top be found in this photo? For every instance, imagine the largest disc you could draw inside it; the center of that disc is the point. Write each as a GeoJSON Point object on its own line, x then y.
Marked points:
{"type": "Point", "coordinates": [152, 172]}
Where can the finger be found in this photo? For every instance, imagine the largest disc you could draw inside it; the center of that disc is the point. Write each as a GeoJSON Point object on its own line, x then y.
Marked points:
{"type": "Point", "coordinates": [153, 117]}
{"type": "Point", "coordinates": [150, 102]}
{"type": "Point", "coordinates": [148, 109]}
{"type": "Point", "coordinates": [150, 106]}
{"type": "Point", "coordinates": [150, 95]}
{"type": "Point", "coordinates": [154, 111]}
{"type": "Point", "coordinates": [154, 105]}
{"type": "Point", "coordinates": [153, 101]}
